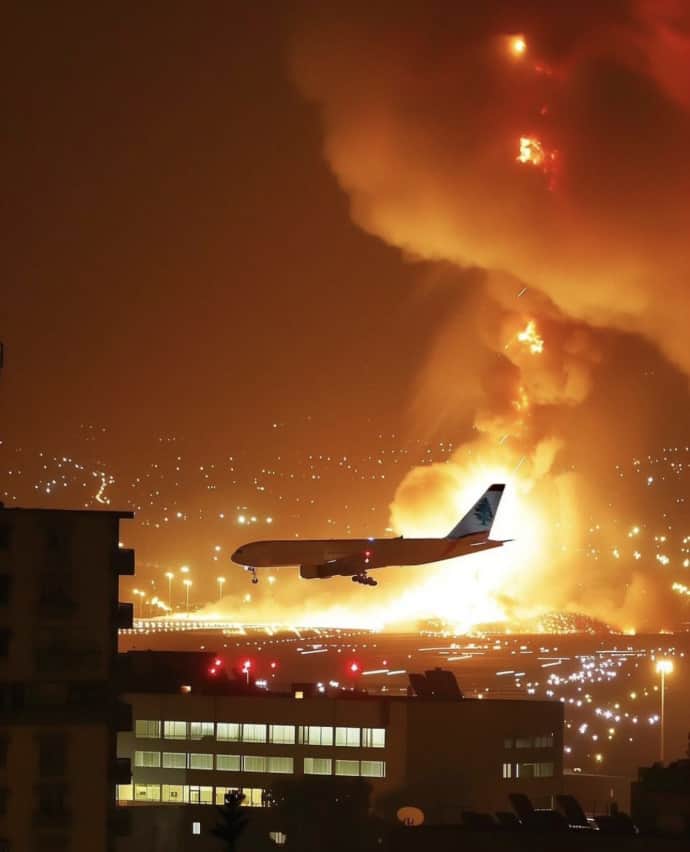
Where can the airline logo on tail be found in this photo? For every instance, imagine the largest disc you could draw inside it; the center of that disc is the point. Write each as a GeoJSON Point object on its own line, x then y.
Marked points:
{"type": "Point", "coordinates": [483, 512]}
{"type": "Point", "coordinates": [480, 518]}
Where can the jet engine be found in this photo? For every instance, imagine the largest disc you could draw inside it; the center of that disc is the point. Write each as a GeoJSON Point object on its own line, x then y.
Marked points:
{"type": "Point", "coordinates": [312, 572]}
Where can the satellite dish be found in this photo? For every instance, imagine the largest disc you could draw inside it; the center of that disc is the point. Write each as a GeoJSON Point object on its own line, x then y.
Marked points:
{"type": "Point", "coordinates": [410, 816]}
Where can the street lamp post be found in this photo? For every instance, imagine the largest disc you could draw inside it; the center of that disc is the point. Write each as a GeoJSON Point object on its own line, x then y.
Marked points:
{"type": "Point", "coordinates": [221, 581]}
{"type": "Point", "coordinates": [187, 584]}
{"type": "Point", "coordinates": [663, 668]}
{"type": "Point", "coordinates": [169, 575]}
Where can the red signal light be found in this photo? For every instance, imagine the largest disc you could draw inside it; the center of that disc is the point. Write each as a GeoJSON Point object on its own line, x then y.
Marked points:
{"type": "Point", "coordinates": [218, 662]}
{"type": "Point", "coordinates": [212, 670]}
{"type": "Point", "coordinates": [246, 665]}
{"type": "Point", "coordinates": [354, 667]}
{"type": "Point", "coordinates": [274, 665]}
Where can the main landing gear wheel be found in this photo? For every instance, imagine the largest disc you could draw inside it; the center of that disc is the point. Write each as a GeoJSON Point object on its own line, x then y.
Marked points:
{"type": "Point", "coordinates": [364, 579]}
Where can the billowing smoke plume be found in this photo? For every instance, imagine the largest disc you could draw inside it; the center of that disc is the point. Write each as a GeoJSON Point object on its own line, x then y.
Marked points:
{"type": "Point", "coordinates": [538, 153]}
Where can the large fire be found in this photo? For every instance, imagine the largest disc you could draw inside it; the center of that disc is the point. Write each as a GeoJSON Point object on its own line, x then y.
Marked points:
{"type": "Point", "coordinates": [531, 338]}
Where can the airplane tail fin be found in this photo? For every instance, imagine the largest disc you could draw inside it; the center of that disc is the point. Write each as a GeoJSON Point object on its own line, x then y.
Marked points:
{"type": "Point", "coordinates": [480, 518]}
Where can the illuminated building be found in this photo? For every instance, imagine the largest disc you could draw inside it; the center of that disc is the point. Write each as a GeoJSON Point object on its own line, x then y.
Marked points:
{"type": "Point", "coordinates": [59, 713]}
{"type": "Point", "coordinates": [194, 741]}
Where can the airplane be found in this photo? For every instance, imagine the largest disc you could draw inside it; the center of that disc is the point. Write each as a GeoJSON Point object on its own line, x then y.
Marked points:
{"type": "Point", "coordinates": [324, 558]}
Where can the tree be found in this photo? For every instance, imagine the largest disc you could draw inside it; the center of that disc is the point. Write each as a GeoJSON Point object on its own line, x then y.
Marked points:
{"type": "Point", "coordinates": [233, 820]}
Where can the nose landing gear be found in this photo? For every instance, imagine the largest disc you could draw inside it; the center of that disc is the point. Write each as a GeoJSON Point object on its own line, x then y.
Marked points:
{"type": "Point", "coordinates": [252, 571]}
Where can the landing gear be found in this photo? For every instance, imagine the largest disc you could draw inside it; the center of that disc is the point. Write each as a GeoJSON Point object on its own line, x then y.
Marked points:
{"type": "Point", "coordinates": [252, 571]}
{"type": "Point", "coordinates": [364, 579]}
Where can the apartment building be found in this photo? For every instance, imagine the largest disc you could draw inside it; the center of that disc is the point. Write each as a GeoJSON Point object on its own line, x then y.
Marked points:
{"type": "Point", "coordinates": [59, 711]}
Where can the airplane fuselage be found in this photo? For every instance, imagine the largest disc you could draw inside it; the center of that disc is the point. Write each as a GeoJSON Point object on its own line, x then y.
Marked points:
{"type": "Point", "coordinates": [358, 554]}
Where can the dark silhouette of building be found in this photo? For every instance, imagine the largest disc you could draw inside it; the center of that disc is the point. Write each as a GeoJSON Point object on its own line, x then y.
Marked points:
{"type": "Point", "coordinates": [660, 798]}
{"type": "Point", "coordinates": [59, 710]}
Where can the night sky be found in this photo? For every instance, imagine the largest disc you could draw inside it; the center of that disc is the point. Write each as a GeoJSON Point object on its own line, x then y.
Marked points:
{"type": "Point", "coordinates": [441, 243]}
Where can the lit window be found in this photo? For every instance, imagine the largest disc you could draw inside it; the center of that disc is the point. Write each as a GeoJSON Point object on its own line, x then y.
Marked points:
{"type": "Point", "coordinates": [347, 767]}
{"type": "Point", "coordinates": [147, 793]}
{"type": "Point", "coordinates": [228, 762]}
{"type": "Point", "coordinates": [374, 737]}
{"type": "Point", "coordinates": [283, 765]}
{"type": "Point", "coordinates": [524, 742]}
{"type": "Point", "coordinates": [253, 797]}
{"type": "Point", "coordinates": [278, 837]}
{"type": "Point", "coordinates": [281, 734]}
{"type": "Point", "coordinates": [175, 730]}
{"type": "Point", "coordinates": [316, 735]}
{"type": "Point", "coordinates": [200, 795]}
{"type": "Point", "coordinates": [201, 761]}
{"type": "Point", "coordinates": [318, 766]}
{"type": "Point", "coordinates": [172, 793]}
{"type": "Point", "coordinates": [299, 693]}
{"type": "Point", "coordinates": [253, 733]}
{"type": "Point", "coordinates": [196, 828]}
{"type": "Point", "coordinates": [507, 770]}
{"type": "Point", "coordinates": [254, 763]}
{"type": "Point", "coordinates": [347, 737]}
{"type": "Point", "coordinates": [125, 792]}
{"type": "Point", "coordinates": [147, 758]}
{"type": "Point", "coordinates": [147, 729]}
{"type": "Point", "coordinates": [534, 770]}
{"type": "Point", "coordinates": [174, 760]}
{"type": "Point", "coordinates": [373, 768]}
{"type": "Point", "coordinates": [221, 791]}
{"type": "Point", "coordinates": [228, 732]}
{"type": "Point", "coordinates": [199, 730]}
{"type": "Point", "coordinates": [545, 741]}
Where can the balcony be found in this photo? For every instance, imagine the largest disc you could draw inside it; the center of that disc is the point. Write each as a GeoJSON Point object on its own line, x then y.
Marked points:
{"type": "Point", "coordinates": [124, 562]}
{"type": "Point", "coordinates": [121, 772]}
{"type": "Point", "coordinates": [124, 616]}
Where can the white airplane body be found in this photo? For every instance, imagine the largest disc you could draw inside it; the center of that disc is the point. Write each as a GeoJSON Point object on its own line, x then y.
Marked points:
{"type": "Point", "coordinates": [354, 557]}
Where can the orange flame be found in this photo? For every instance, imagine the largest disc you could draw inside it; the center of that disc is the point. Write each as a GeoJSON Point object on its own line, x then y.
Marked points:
{"type": "Point", "coordinates": [531, 338]}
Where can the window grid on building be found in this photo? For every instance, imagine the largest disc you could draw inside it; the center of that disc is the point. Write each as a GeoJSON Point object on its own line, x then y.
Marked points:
{"type": "Point", "coordinates": [147, 759]}
{"type": "Point", "coordinates": [253, 733]}
{"type": "Point", "coordinates": [228, 732]}
{"type": "Point", "coordinates": [316, 735]}
{"type": "Point", "coordinates": [284, 734]}
{"type": "Point", "coordinates": [373, 737]}
{"type": "Point", "coordinates": [174, 760]}
{"type": "Point", "coordinates": [200, 761]}
{"type": "Point", "coordinates": [228, 762]}
{"type": "Point", "coordinates": [347, 737]}
{"type": "Point", "coordinates": [175, 730]}
{"type": "Point", "coordinates": [318, 766]}
{"type": "Point", "coordinates": [199, 730]}
{"type": "Point", "coordinates": [147, 729]}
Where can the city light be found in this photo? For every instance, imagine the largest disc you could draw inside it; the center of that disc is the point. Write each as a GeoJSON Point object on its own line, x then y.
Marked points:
{"type": "Point", "coordinates": [518, 45]}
